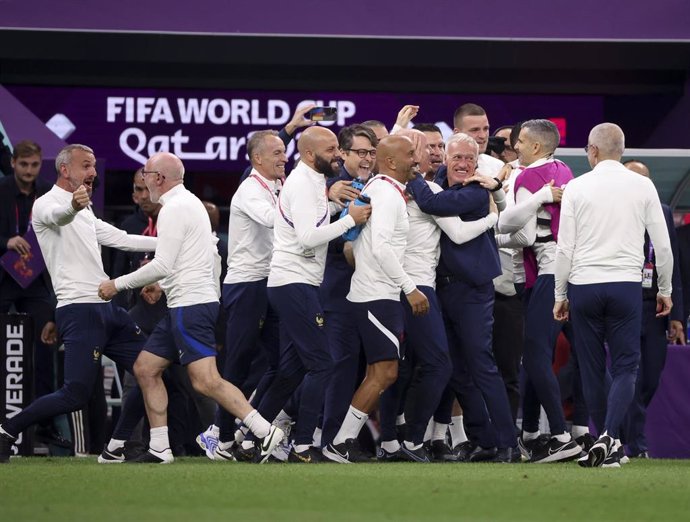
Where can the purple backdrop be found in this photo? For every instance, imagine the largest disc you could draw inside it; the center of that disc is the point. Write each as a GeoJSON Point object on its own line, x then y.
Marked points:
{"type": "Point", "coordinates": [208, 128]}
{"type": "Point", "coordinates": [586, 19]}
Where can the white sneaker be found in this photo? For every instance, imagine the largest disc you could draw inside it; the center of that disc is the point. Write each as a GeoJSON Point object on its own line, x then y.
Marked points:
{"type": "Point", "coordinates": [269, 442]}
{"type": "Point", "coordinates": [208, 441]}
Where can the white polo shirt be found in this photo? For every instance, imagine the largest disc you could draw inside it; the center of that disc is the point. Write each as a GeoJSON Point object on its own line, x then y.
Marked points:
{"type": "Point", "coordinates": [186, 260]}
{"type": "Point", "coordinates": [380, 247]}
{"type": "Point", "coordinates": [604, 214]}
{"type": "Point", "coordinates": [70, 242]}
{"type": "Point", "coordinates": [250, 232]}
{"type": "Point", "coordinates": [303, 229]}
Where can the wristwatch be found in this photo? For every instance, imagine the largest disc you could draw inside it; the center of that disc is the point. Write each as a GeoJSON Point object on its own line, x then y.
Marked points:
{"type": "Point", "coordinates": [498, 187]}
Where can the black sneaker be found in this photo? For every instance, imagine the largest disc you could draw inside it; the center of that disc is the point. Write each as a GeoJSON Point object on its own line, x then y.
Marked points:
{"type": "Point", "coordinates": [130, 451]}
{"type": "Point", "coordinates": [640, 455]}
{"type": "Point", "coordinates": [556, 451]}
{"type": "Point", "coordinates": [463, 450]}
{"type": "Point", "coordinates": [585, 441]}
{"type": "Point", "coordinates": [49, 435]}
{"type": "Point", "coordinates": [612, 461]}
{"type": "Point", "coordinates": [246, 454]}
{"type": "Point", "coordinates": [441, 452]}
{"type": "Point", "coordinates": [508, 456]}
{"type": "Point", "coordinates": [420, 454]}
{"type": "Point", "coordinates": [345, 452]}
{"type": "Point", "coordinates": [598, 452]}
{"type": "Point", "coordinates": [480, 454]}
{"type": "Point", "coordinates": [387, 456]}
{"type": "Point", "coordinates": [160, 457]}
{"type": "Point", "coordinates": [309, 456]}
{"type": "Point", "coordinates": [528, 447]}
{"type": "Point", "coordinates": [6, 443]}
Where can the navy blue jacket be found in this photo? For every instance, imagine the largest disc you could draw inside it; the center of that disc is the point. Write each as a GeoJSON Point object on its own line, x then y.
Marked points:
{"type": "Point", "coordinates": [336, 278]}
{"type": "Point", "coordinates": [475, 262]}
{"type": "Point", "coordinates": [677, 292]}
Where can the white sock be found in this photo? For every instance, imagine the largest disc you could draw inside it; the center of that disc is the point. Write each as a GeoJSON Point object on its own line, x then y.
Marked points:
{"type": "Point", "coordinates": [115, 444]}
{"type": "Point", "coordinates": [316, 438]}
{"type": "Point", "coordinates": [529, 435]}
{"type": "Point", "coordinates": [400, 419]}
{"type": "Point", "coordinates": [352, 425]}
{"type": "Point", "coordinates": [563, 437]}
{"type": "Point", "coordinates": [159, 439]}
{"type": "Point", "coordinates": [411, 445]}
{"type": "Point", "coordinates": [457, 430]}
{"type": "Point", "coordinates": [224, 446]}
{"type": "Point", "coordinates": [579, 431]}
{"type": "Point", "coordinates": [439, 431]}
{"type": "Point", "coordinates": [215, 430]}
{"type": "Point", "coordinates": [257, 424]}
{"type": "Point", "coordinates": [391, 446]}
{"type": "Point", "coordinates": [240, 434]}
{"type": "Point", "coordinates": [299, 448]}
{"type": "Point", "coordinates": [429, 430]}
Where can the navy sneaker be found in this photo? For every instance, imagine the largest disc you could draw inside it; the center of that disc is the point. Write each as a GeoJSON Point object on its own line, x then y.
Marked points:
{"type": "Point", "coordinates": [480, 454]}
{"type": "Point", "coordinates": [310, 456]}
{"type": "Point", "coordinates": [463, 450]}
{"type": "Point", "coordinates": [508, 455]}
{"type": "Point", "coordinates": [387, 456]}
{"type": "Point", "coordinates": [420, 454]}
{"type": "Point", "coordinates": [441, 452]}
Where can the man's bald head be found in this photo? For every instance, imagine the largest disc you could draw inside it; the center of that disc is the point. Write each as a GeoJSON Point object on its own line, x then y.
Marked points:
{"type": "Point", "coordinates": [396, 157]}
{"type": "Point", "coordinates": [167, 164]}
{"type": "Point", "coordinates": [609, 140]}
{"type": "Point", "coordinates": [318, 149]}
{"type": "Point", "coordinates": [638, 167]}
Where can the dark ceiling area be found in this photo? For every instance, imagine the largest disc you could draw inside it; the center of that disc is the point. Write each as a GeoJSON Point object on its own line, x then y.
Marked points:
{"type": "Point", "coordinates": [415, 65]}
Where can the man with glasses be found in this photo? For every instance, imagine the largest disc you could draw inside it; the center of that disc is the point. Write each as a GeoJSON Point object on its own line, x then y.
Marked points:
{"type": "Point", "coordinates": [357, 145]}
{"type": "Point", "coordinates": [187, 265]}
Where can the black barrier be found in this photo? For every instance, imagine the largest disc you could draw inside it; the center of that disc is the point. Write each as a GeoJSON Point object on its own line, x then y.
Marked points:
{"type": "Point", "coordinates": [17, 372]}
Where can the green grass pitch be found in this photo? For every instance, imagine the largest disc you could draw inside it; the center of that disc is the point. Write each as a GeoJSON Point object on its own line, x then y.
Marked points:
{"type": "Point", "coordinates": [195, 490]}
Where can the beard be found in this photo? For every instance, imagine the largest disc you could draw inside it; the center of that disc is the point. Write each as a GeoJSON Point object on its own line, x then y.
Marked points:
{"type": "Point", "coordinates": [324, 166]}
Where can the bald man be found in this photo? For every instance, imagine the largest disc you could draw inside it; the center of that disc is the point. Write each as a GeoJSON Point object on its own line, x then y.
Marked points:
{"type": "Point", "coordinates": [657, 333]}
{"type": "Point", "coordinates": [375, 291]}
{"type": "Point", "coordinates": [187, 265]}
{"type": "Point", "coordinates": [302, 230]}
{"type": "Point", "coordinates": [599, 282]}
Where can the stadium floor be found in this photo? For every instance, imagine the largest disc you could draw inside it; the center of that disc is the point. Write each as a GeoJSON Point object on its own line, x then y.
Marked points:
{"type": "Point", "coordinates": [196, 489]}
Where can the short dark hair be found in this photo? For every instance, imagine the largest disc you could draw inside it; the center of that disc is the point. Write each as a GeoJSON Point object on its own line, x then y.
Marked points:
{"type": "Point", "coordinates": [467, 109]}
{"type": "Point", "coordinates": [545, 132]}
{"type": "Point", "coordinates": [347, 134]}
{"type": "Point", "coordinates": [515, 133]}
{"type": "Point", "coordinates": [26, 148]}
{"type": "Point", "coordinates": [427, 127]}
{"type": "Point", "coordinates": [256, 140]}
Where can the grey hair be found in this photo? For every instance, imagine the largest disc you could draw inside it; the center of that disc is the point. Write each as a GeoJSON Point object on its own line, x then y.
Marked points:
{"type": "Point", "coordinates": [65, 155]}
{"type": "Point", "coordinates": [461, 137]}
{"type": "Point", "coordinates": [609, 139]}
{"type": "Point", "coordinates": [543, 132]}
{"type": "Point", "coordinates": [257, 140]}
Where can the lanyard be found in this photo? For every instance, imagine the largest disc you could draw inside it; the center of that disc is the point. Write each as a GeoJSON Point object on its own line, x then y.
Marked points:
{"type": "Point", "coordinates": [318, 223]}
{"type": "Point", "coordinates": [384, 178]}
{"type": "Point", "coordinates": [265, 186]}
{"type": "Point", "coordinates": [16, 216]}
{"type": "Point", "coordinates": [651, 251]}
{"type": "Point", "coordinates": [151, 229]}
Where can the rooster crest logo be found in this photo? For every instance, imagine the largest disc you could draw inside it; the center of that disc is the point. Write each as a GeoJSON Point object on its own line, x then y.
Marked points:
{"type": "Point", "coordinates": [319, 320]}
{"type": "Point", "coordinates": [96, 354]}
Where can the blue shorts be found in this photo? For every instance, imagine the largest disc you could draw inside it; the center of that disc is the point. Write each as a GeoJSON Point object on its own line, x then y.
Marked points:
{"type": "Point", "coordinates": [380, 325]}
{"type": "Point", "coordinates": [186, 334]}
